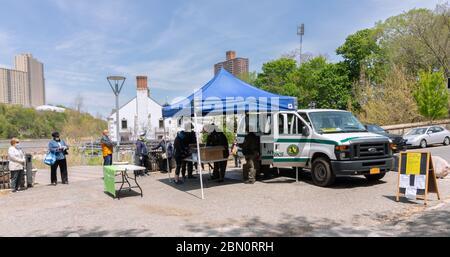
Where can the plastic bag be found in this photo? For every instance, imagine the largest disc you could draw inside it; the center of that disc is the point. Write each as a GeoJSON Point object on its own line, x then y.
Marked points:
{"type": "Point", "coordinates": [50, 159]}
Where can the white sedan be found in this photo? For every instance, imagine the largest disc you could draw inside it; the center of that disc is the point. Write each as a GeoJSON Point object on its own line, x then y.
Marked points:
{"type": "Point", "coordinates": [427, 136]}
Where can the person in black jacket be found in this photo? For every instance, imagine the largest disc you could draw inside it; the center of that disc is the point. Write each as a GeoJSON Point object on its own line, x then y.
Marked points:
{"type": "Point", "coordinates": [190, 139]}
{"type": "Point", "coordinates": [180, 153]}
{"type": "Point", "coordinates": [218, 138]}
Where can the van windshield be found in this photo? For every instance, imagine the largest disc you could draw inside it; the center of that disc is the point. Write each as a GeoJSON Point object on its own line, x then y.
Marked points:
{"type": "Point", "coordinates": [335, 122]}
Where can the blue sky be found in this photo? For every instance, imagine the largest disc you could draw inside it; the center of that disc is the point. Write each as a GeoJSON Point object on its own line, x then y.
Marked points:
{"type": "Point", "coordinates": [174, 42]}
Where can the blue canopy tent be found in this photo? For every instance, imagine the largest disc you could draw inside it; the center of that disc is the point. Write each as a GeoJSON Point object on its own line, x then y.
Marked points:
{"type": "Point", "coordinates": [226, 94]}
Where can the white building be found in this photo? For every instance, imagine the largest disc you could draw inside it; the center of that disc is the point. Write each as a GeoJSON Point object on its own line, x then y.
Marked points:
{"type": "Point", "coordinates": [140, 114]}
{"type": "Point", "coordinates": [50, 108]}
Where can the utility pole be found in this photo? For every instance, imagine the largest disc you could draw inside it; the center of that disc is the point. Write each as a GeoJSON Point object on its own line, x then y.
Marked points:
{"type": "Point", "coordinates": [301, 33]}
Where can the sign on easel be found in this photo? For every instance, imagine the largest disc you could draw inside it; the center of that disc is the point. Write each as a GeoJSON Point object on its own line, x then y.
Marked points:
{"type": "Point", "coordinates": [416, 177]}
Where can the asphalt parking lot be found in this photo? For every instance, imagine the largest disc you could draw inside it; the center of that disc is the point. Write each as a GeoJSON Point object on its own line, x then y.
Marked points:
{"type": "Point", "coordinates": [276, 207]}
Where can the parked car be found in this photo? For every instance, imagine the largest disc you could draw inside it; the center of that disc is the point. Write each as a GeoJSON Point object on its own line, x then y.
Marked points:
{"type": "Point", "coordinates": [425, 136]}
{"type": "Point", "coordinates": [397, 140]}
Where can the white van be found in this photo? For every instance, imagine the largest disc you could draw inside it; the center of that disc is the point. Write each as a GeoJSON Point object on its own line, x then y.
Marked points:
{"type": "Point", "coordinates": [330, 143]}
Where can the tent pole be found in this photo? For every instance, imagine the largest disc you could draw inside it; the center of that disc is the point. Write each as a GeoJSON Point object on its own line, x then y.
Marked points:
{"type": "Point", "coordinates": [199, 161]}
{"type": "Point", "coordinates": [165, 141]}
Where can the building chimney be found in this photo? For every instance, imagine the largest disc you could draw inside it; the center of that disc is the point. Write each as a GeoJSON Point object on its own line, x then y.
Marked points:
{"type": "Point", "coordinates": [142, 83]}
{"type": "Point", "coordinates": [231, 55]}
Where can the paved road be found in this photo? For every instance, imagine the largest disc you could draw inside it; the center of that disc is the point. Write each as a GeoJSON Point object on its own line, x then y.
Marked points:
{"type": "Point", "coordinates": [278, 207]}
{"type": "Point", "coordinates": [442, 151]}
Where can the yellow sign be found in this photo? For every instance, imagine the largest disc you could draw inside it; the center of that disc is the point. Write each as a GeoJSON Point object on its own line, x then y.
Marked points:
{"type": "Point", "coordinates": [374, 171]}
{"type": "Point", "coordinates": [413, 163]}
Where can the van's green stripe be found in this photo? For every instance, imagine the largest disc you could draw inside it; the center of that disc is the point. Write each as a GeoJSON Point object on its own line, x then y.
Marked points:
{"type": "Point", "coordinates": [304, 140]}
{"type": "Point", "coordinates": [348, 139]}
{"type": "Point", "coordinates": [290, 159]}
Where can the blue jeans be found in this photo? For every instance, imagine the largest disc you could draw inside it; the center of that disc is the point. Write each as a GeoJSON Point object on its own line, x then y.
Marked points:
{"type": "Point", "coordinates": [107, 160]}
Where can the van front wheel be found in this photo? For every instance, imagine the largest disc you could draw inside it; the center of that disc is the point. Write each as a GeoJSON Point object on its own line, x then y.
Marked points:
{"type": "Point", "coordinates": [321, 172]}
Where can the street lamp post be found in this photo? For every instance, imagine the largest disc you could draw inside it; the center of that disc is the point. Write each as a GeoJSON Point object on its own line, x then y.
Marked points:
{"type": "Point", "coordinates": [301, 33]}
{"type": "Point", "coordinates": [116, 83]}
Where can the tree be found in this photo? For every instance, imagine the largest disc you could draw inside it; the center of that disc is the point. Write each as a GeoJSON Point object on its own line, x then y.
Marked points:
{"type": "Point", "coordinates": [79, 102]}
{"type": "Point", "coordinates": [249, 77]}
{"type": "Point", "coordinates": [432, 95]}
{"type": "Point", "coordinates": [361, 52]}
{"type": "Point", "coordinates": [418, 39]}
{"type": "Point", "coordinates": [390, 102]}
{"type": "Point", "coordinates": [276, 74]}
{"type": "Point", "coordinates": [317, 80]}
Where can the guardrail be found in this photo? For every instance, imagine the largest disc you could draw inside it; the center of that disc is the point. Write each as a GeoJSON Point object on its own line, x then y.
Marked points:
{"type": "Point", "coordinates": [402, 128]}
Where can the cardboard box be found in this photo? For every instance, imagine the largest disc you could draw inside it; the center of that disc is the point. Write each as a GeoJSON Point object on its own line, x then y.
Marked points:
{"type": "Point", "coordinates": [209, 153]}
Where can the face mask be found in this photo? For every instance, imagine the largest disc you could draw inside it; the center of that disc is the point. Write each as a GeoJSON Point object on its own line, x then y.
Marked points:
{"type": "Point", "coordinates": [18, 146]}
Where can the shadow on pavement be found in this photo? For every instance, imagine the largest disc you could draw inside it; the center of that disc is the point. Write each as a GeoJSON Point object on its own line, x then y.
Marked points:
{"type": "Point", "coordinates": [401, 200]}
{"type": "Point", "coordinates": [194, 184]}
{"type": "Point", "coordinates": [432, 223]}
{"type": "Point", "coordinates": [340, 183]}
{"type": "Point", "coordinates": [96, 232]}
{"type": "Point", "coordinates": [288, 226]}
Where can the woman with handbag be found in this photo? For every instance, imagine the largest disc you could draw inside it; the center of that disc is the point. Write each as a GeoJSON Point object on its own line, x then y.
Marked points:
{"type": "Point", "coordinates": [60, 149]}
{"type": "Point", "coordinates": [16, 159]}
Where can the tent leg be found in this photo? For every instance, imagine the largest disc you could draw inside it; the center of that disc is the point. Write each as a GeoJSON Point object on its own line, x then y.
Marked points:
{"type": "Point", "coordinates": [165, 140]}
{"type": "Point", "coordinates": [296, 174]}
{"type": "Point", "coordinates": [199, 161]}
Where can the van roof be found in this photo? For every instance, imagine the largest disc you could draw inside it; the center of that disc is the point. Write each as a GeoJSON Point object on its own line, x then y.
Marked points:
{"type": "Point", "coordinates": [321, 110]}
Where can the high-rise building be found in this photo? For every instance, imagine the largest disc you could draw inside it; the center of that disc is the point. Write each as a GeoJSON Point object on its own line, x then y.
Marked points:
{"type": "Point", "coordinates": [36, 81]}
{"type": "Point", "coordinates": [24, 85]}
{"type": "Point", "coordinates": [235, 65]}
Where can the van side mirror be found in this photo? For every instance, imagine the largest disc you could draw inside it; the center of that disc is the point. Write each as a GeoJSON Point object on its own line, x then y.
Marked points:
{"type": "Point", "coordinates": [305, 131]}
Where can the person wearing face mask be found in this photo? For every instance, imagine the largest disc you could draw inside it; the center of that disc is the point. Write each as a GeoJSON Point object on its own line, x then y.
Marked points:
{"type": "Point", "coordinates": [59, 148]}
{"type": "Point", "coordinates": [16, 164]}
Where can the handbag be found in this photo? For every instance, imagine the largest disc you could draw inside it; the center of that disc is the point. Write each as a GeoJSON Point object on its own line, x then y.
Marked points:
{"type": "Point", "coordinates": [50, 159]}
{"type": "Point", "coordinates": [164, 156]}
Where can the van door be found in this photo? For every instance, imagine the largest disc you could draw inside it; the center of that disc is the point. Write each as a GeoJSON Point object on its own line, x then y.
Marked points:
{"type": "Point", "coordinates": [291, 146]}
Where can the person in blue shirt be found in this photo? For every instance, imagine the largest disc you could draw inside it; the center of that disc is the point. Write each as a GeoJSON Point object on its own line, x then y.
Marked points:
{"type": "Point", "coordinates": [60, 149]}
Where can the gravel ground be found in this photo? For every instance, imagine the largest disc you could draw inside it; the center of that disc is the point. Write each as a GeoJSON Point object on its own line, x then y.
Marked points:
{"type": "Point", "coordinates": [277, 207]}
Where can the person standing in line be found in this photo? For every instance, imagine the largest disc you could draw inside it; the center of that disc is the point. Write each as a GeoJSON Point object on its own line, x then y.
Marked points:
{"type": "Point", "coordinates": [142, 153]}
{"type": "Point", "coordinates": [218, 138]}
{"type": "Point", "coordinates": [190, 139]}
{"type": "Point", "coordinates": [16, 164]}
{"type": "Point", "coordinates": [235, 153]}
{"type": "Point", "coordinates": [60, 149]}
{"type": "Point", "coordinates": [180, 153]}
{"type": "Point", "coordinates": [251, 151]}
{"type": "Point", "coordinates": [107, 148]}
{"type": "Point", "coordinates": [167, 154]}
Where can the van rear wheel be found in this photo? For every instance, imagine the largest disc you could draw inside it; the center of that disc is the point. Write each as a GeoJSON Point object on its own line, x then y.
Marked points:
{"type": "Point", "coordinates": [321, 173]}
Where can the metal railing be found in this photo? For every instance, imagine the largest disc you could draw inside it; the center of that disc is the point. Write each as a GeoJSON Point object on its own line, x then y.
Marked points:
{"type": "Point", "coordinates": [402, 128]}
